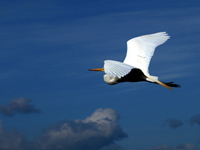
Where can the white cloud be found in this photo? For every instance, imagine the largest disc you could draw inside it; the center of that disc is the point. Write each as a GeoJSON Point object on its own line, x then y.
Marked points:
{"type": "Point", "coordinates": [93, 133]}
{"type": "Point", "coordinates": [100, 130]}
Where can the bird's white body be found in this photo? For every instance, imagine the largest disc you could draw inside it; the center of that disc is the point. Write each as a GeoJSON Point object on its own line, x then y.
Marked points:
{"type": "Point", "coordinates": [134, 68]}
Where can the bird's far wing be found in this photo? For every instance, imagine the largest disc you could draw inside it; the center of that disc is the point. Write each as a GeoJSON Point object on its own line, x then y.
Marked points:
{"type": "Point", "coordinates": [141, 49]}
{"type": "Point", "coordinates": [116, 68]}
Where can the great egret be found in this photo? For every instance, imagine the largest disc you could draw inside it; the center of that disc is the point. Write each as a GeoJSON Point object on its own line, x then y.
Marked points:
{"type": "Point", "coordinates": [134, 68]}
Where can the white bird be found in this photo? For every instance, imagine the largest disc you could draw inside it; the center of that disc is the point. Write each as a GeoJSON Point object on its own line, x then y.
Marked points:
{"type": "Point", "coordinates": [134, 68]}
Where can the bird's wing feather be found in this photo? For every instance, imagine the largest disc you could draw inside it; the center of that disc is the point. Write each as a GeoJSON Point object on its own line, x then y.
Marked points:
{"type": "Point", "coordinates": [141, 49]}
{"type": "Point", "coordinates": [116, 68]}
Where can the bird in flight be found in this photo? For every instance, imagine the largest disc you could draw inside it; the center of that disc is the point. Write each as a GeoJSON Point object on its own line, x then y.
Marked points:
{"type": "Point", "coordinates": [134, 68]}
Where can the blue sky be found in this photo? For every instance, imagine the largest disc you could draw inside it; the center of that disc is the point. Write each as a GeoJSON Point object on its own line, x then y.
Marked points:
{"type": "Point", "coordinates": [49, 99]}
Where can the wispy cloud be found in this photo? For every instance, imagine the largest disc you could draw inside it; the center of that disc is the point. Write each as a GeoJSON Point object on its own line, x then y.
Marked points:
{"type": "Point", "coordinates": [18, 106]}
{"type": "Point", "coordinates": [173, 123]}
{"type": "Point", "coordinates": [94, 34]}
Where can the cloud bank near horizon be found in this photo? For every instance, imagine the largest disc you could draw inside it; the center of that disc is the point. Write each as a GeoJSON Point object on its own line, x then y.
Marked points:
{"type": "Point", "coordinates": [188, 146]}
{"type": "Point", "coordinates": [100, 130]}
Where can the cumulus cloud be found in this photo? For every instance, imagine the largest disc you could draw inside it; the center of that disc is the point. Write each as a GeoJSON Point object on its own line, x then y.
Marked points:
{"type": "Point", "coordinates": [195, 119]}
{"type": "Point", "coordinates": [18, 106]}
{"type": "Point", "coordinates": [97, 132]}
{"type": "Point", "coordinates": [93, 133]}
{"type": "Point", "coordinates": [188, 146]}
{"type": "Point", "coordinates": [173, 123]}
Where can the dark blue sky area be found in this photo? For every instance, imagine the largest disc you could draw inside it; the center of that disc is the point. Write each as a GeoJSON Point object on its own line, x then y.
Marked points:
{"type": "Point", "coordinates": [49, 99]}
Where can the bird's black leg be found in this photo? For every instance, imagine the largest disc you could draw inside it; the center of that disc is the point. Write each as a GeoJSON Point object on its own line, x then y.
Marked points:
{"type": "Point", "coordinates": [172, 84]}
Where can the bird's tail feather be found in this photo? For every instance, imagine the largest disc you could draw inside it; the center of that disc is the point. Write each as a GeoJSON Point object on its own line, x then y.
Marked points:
{"type": "Point", "coordinates": [159, 82]}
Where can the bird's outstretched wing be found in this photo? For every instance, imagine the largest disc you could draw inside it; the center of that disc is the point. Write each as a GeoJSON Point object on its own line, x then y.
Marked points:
{"type": "Point", "coordinates": [116, 68]}
{"type": "Point", "coordinates": [141, 49]}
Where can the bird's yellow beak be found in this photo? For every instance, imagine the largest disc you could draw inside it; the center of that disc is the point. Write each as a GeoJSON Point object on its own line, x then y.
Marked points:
{"type": "Point", "coordinates": [97, 69]}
